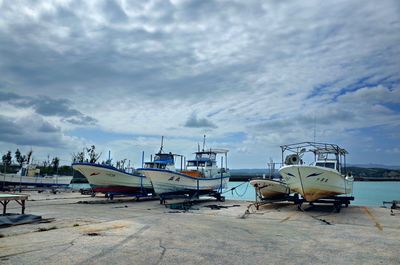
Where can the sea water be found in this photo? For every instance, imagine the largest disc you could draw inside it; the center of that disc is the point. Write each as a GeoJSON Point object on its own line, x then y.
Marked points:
{"type": "Point", "coordinates": [366, 193]}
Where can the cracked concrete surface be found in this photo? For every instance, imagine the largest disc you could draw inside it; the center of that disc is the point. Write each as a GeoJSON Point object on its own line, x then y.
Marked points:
{"type": "Point", "coordinates": [126, 231]}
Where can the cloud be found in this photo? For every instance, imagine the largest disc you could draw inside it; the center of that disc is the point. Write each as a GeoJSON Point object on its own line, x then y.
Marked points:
{"type": "Point", "coordinates": [46, 106]}
{"type": "Point", "coordinates": [31, 131]}
{"type": "Point", "coordinates": [194, 122]}
{"type": "Point", "coordinates": [265, 69]}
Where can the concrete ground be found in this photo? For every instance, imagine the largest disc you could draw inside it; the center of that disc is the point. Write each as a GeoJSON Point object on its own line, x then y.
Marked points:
{"type": "Point", "coordinates": [85, 230]}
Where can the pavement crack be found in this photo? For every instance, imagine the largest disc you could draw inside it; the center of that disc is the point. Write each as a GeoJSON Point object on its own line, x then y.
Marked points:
{"type": "Point", "coordinates": [164, 249]}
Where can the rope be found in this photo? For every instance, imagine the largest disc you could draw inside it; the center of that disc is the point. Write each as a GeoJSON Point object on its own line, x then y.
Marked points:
{"type": "Point", "coordinates": [234, 189]}
{"type": "Point", "coordinates": [241, 195]}
{"type": "Point", "coordinates": [315, 217]}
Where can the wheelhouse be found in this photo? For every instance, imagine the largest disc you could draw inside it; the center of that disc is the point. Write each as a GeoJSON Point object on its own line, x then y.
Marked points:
{"type": "Point", "coordinates": [325, 155]}
{"type": "Point", "coordinates": [164, 158]}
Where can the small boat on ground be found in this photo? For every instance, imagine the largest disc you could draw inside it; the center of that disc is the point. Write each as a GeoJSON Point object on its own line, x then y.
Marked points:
{"type": "Point", "coordinates": [324, 178]}
{"type": "Point", "coordinates": [201, 175]}
{"type": "Point", "coordinates": [109, 179]}
{"type": "Point", "coordinates": [270, 189]}
{"type": "Point", "coordinates": [29, 175]}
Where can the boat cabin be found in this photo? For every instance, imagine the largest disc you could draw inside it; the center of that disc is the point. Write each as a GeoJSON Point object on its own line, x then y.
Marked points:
{"type": "Point", "coordinates": [28, 170]}
{"type": "Point", "coordinates": [162, 161]}
{"type": "Point", "coordinates": [205, 163]}
{"type": "Point", "coordinates": [325, 155]}
{"type": "Point", "coordinates": [204, 159]}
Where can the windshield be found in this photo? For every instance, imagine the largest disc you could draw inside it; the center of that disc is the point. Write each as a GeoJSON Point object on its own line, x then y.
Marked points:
{"type": "Point", "coordinates": [169, 158]}
{"type": "Point", "coordinates": [154, 165]}
{"type": "Point", "coordinates": [194, 163]}
{"type": "Point", "coordinates": [326, 164]}
{"type": "Point", "coordinates": [210, 156]}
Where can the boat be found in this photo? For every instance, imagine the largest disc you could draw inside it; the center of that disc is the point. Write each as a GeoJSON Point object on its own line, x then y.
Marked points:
{"type": "Point", "coordinates": [29, 175]}
{"type": "Point", "coordinates": [326, 177]}
{"type": "Point", "coordinates": [200, 176]}
{"type": "Point", "coordinates": [106, 178]}
{"type": "Point", "coordinates": [270, 188]}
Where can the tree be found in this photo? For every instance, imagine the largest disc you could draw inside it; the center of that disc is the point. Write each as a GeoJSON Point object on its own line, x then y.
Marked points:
{"type": "Point", "coordinates": [55, 163]}
{"type": "Point", "coordinates": [93, 156]}
{"type": "Point", "coordinates": [20, 158]}
{"type": "Point", "coordinates": [29, 156]}
{"type": "Point", "coordinates": [78, 157]}
{"type": "Point", "coordinates": [7, 160]}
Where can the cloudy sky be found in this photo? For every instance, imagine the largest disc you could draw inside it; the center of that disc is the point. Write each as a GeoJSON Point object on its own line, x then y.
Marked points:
{"type": "Point", "coordinates": [251, 75]}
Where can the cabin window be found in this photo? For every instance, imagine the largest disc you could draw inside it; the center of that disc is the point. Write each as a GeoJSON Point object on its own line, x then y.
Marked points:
{"type": "Point", "coordinates": [155, 165]}
{"type": "Point", "coordinates": [191, 163]}
{"type": "Point", "coordinates": [198, 163]}
{"type": "Point", "coordinates": [325, 164]}
{"type": "Point", "coordinates": [169, 158]}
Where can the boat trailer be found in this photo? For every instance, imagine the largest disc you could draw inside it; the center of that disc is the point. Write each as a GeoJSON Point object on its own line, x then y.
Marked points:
{"type": "Point", "coordinates": [188, 198]}
{"type": "Point", "coordinates": [394, 205]}
{"type": "Point", "coordinates": [337, 201]}
{"type": "Point", "coordinates": [110, 195]}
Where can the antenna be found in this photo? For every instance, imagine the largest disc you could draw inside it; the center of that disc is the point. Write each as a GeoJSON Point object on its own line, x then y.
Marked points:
{"type": "Point", "coordinates": [162, 143]}
{"type": "Point", "coordinates": [204, 142]}
{"type": "Point", "coordinates": [315, 125]}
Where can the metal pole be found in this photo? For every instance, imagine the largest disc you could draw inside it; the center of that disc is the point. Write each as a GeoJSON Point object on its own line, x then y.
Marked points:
{"type": "Point", "coordinates": [181, 163]}
{"type": "Point", "coordinates": [222, 163]}
{"type": "Point", "coordinates": [142, 158]}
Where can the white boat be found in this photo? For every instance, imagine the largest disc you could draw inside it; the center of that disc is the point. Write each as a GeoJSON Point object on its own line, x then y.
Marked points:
{"type": "Point", "coordinates": [108, 179]}
{"type": "Point", "coordinates": [29, 175]}
{"type": "Point", "coordinates": [270, 189]}
{"type": "Point", "coordinates": [200, 176]}
{"type": "Point", "coordinates": [325, 177]}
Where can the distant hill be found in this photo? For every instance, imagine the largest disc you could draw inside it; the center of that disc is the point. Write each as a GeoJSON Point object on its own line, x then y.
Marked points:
{"type": "Point", "coordinates": [374, 166]}
{"type": "Point", "coordinates": [374, 174]}
{"type": "Point", "coordinates": [359, 173]}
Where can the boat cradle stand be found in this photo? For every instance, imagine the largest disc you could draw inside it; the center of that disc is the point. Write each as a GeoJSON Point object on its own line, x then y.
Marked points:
{"type": "Point", "coordinates": [189, 196]}
{"type": "Point", "coordinates": [137, 196]}
{"type": "Point", "coordinates": [20, 199]}
{"type": "Point", "coordinates": [394, 205]}
{"type": "Point", "coordinates": [337, 201]}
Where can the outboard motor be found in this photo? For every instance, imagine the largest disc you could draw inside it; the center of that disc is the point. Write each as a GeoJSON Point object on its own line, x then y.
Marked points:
{"type": "Point", "coordinates": [292, 159]}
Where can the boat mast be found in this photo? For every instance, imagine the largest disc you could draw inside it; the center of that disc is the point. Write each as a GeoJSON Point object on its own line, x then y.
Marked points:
{"type": "Point", "coordinates": [162, 143]}
{"type": "Point", "coordinates": [204, 142]}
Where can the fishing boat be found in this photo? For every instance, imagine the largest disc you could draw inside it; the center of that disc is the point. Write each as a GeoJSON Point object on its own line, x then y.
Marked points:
{"type": "Point", "coordinates": [270, 188]}
{"type": "Point", "coordinates": [109, 179]}
{"type": "Point", "coordinates": [200, 176]}
{"type": "Point", "coordinates": [29, 175]}
{"type": "Point", "coordinates": [324, 178]}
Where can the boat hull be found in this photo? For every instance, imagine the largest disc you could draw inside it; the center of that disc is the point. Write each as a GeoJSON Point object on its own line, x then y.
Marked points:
{"type": "Point", "coordinates": [313, 182]}
{"type": "Point", "coordinates": [166, 181]}
{"type": "Point", "coordinates": [36, 181]}
{"type": "Point", "coordinates": [270, 189]}
{"type": "Point", "coordinates": [108, 179]}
